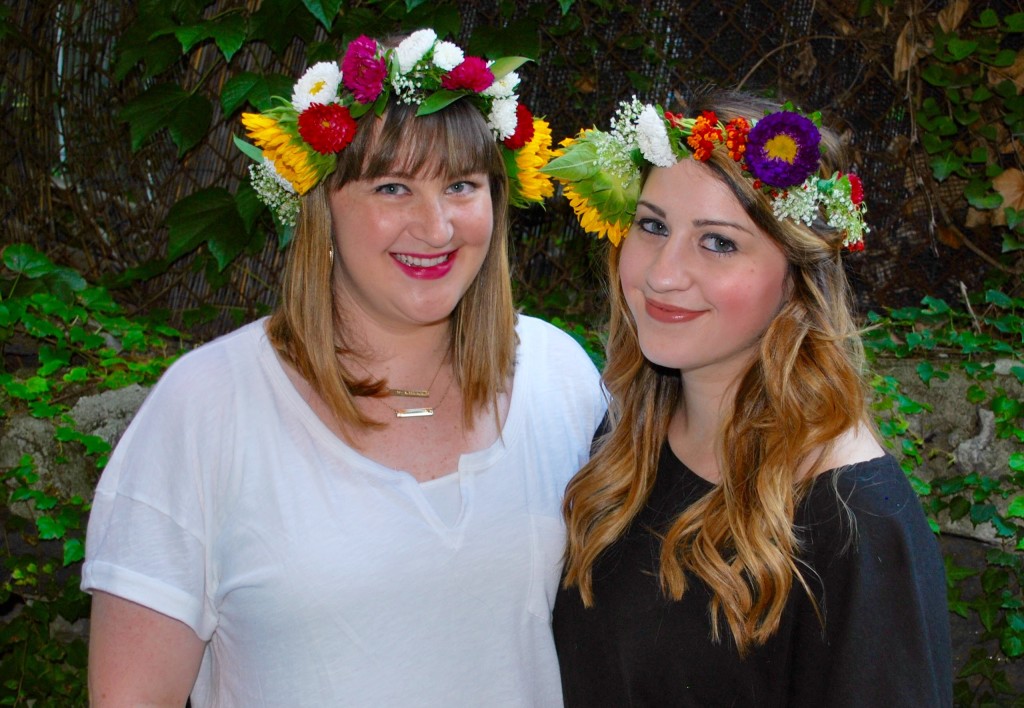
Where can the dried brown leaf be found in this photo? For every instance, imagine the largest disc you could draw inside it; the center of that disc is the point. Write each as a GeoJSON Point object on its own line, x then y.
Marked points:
{"type": "Point", "coordinates": [906, 52]}
{"type": "Point", "coordinates": [1010, 184]}
{"type": "Point", "coordinates": [975, 219]}
{"type": "Point", "coordinates": [952, 14]}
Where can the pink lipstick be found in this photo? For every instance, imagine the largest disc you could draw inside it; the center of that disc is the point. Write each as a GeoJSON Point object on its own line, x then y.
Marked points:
{"type": "Point", "coordinates": [425, 267]}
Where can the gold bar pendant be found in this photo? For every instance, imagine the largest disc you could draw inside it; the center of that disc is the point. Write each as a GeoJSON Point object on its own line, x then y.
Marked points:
{"type": "Point", "coordinates": [413, 412]}
{"type": "Point", "coordinates": [407, 393]}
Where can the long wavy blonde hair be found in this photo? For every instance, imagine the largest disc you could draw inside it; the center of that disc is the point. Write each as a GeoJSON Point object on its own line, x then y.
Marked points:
{"type": "Point", "coordinates": [804, 388]}
{"type": "Point", "coordinates": [307, 328]}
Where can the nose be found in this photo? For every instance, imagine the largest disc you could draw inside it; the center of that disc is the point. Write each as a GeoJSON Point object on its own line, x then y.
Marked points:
{"type": "Point", "coordinates": [670, 269]}
{"type": "Point", "coordinates": [431, 223]}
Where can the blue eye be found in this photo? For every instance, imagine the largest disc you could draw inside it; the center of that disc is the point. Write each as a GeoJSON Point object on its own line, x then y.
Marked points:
{"type": "Point", "coordinates": [390, 188]}
{"type": "Point", "coordinates": [652, 226]}
{"type": "Point", "coordinates": [718, 244]}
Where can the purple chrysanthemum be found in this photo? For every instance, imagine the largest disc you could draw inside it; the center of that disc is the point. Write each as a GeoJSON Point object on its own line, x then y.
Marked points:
{"type": "Point", "coordinates": [782, 149]}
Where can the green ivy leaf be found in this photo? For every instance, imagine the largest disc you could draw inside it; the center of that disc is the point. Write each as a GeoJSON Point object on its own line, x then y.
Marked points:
{"type": "Point", "coordinates": [158, 108]}
{"type": "Point", "coordinates": [999, 299]}
{"type": "Point", "coordinates": [1011, 243]}
{"type": "Point", "coordinates": [958, 508]}
{"type": "Point", "coordinates": [1014, 22]}
{"type": "Point", "coordinates": [228, 33]}
{"type": "Point", "coordinates": [208, 216]}
{"type": "Point", "coordinates": [961, 48]}
{"type": "Point", "coordinates": [50, 528]}
{"type": "Point", "coordinates": [150, 41]}
{"type": "Point", "coordinates": [323, 10]}
{"type": "Point", "coordinates": [945, 165]}
{"type": "Point", "coordinates": [22, 258]}
{"type": "Point", "coordinates": [1016, 508]}
{"type": "Point", "coordinates": [279, 23]}
{"type": "Point", "coordinates": [566, 5]}
{"type": "Point", "coordinates": [74, 551]}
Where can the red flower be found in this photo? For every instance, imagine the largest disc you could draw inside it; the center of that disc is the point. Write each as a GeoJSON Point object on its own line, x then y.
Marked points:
{"type": "Point", "coordinates": [856, 191]}
{"type": "Point", "coordinates": [736, 137]}
{"type": "Point", "coordinates": [524, 129]}
{"type": "Point", "coordinates": [361, 72]}
{"type": "Point", "coordinates": [856, 246]}
{"type": "Point", "coordinates": [327, 128]}
{"type": "Point", "coordinates": [471, 75]}
{"type": "Point", "coordinates": [704, 135]}
{"type": "Point", "coordinates": [676, 119]}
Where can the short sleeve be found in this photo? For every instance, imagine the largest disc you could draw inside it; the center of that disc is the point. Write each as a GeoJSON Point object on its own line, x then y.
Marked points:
{"type": "Point", "coordinates": [880, 581]}
{"type": "Point", "coordinates": [147, 538]}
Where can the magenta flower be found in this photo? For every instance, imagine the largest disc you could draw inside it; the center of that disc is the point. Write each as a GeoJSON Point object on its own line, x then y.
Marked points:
{"type": "Point", "coordinates": [471, 75]}
{"type": "Point", "coordinates": [782, 149]}
{"type": "Point", "coordinates": [362, 72]}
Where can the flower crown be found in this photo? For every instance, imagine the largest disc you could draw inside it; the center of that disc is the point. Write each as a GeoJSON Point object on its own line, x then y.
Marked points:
{"type": "Point", "coordinates": [297, 141]}
{"type": "Point", "coordinates": [781, 153]}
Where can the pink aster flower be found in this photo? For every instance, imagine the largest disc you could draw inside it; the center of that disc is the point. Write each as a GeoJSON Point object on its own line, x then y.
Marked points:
{"type": "Point", "coordinates": [472, 74]}
{"type": "Point", "coordinates": [362, 72]}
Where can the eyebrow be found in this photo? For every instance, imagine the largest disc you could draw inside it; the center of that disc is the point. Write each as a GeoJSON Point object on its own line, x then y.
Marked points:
{"type": "Point", "coordinates": [657, 210]}
{"type": "Point", "coordinates": [699, 222]}
{"type": "Point", "coordinates": [717, 222]}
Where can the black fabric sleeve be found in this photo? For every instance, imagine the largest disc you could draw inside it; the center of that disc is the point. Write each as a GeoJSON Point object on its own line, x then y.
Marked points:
{"type": "Point", "coordinates": [881, 585]}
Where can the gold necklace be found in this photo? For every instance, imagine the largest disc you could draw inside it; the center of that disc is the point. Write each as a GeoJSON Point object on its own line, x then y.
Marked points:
{"type": "Point", "coordinates": [416, 392]}
{"type": "Point", "coordinates": [423, 412]}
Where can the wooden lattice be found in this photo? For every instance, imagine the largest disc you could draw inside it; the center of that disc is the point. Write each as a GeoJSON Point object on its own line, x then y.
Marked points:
{"type": "Point", "coordinates": [73, 187]}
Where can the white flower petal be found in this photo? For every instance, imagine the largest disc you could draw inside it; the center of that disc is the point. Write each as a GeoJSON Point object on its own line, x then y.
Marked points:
{"type": "Point", "coordinates": [502, 119]}
{"type": "Point", "coordinates": [447, 56]}
{"type": "Point", "coordinates": [503, 87]}
{"type": "Point", "coordinates": [411, 49]}
{"type": "Point", "coordinates": [652, 138]}
{"type": "Point", "coordinates": [318, 85]}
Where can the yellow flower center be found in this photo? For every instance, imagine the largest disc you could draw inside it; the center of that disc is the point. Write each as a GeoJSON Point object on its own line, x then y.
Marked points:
{"type": "Point", "coordinates": [317, 87]}
{"type": "Point", "coordinates": [781, 147]}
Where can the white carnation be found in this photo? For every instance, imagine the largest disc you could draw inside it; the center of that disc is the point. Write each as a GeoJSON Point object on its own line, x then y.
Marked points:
{"type": "Point", "coordinates": [502, 119]}
{"type": "Point", "coordinates": [503, 87]}
{"type": "Point", "coordinates": [318, 85]}
{"type": "Point", "coordinates": [652, 138]}
{"type": "Point", "coordinates": [411, 49]}
{"type": "Point", "coordinates": [447, 56]}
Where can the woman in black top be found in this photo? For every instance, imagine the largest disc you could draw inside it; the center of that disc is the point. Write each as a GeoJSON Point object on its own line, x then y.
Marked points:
{"type": "Point", "coordinates": [739, 537]}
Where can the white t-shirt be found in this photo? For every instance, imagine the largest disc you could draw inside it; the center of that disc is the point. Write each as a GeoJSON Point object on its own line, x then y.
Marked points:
{"type": "Point", "coordinates": [320, 577]}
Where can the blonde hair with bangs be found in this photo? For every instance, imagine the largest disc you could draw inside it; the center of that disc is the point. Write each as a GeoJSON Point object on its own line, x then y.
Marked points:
{"type": "Point", "coordinates": [309, 332]}
{"type": "Point", "coordinates": [804, 389]}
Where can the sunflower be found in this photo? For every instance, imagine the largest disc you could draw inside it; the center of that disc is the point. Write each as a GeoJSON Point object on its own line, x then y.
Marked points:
{"type": "Point", "coordinates": [590, 217]}
{"type": "Point", "coordinates": [534, 185]}
{"type": "Point", "coordinates": [290, 159]}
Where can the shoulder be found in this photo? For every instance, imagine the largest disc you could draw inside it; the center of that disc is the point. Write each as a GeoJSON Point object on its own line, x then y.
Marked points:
{"type": "Point", "coordinates": [214, 368]}
{"type": "Point", "coordinates": [867, 512]}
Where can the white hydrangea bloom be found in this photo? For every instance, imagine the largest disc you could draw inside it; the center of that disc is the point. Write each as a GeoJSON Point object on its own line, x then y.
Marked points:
{"type": "Point", "coordinates": [411, 49]}
{"type": "Point", "coordinates": [318, 85]}
{"type": "Point", "coordinates": [503, 87]}
{"type": "Point", "coordinates": [798, 203]}
{"type": "Point", "coordinates": [652, 137]}
{"type": "Point", "coordinates": [447, 56]}
{"type": "Point", "coordinates": [624, 122]}
{"type": "Point", "coordinates": [613, 156]}
{"type": "Point", "coordinates": [502, 119]}
{"type": "Point", "coordinates": [275, 191]}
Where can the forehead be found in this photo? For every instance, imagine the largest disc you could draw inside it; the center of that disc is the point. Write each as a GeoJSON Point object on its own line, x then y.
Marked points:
{"type": "Point", "coordinates": [692, 190]}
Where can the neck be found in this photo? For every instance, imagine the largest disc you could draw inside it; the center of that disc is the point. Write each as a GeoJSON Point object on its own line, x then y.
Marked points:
{"type": "Point", "coordinates": [694, 431]}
